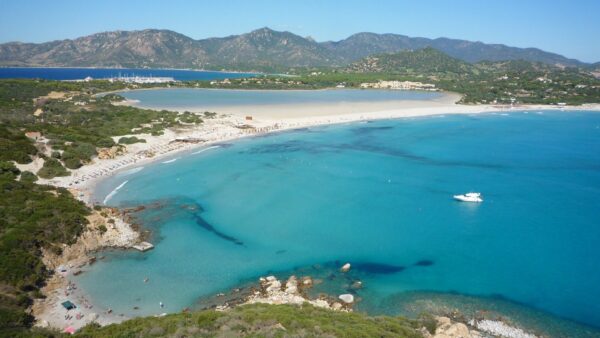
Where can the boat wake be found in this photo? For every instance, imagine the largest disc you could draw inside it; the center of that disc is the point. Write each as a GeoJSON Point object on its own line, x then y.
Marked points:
{"type": "Point", "coordinates": [114, 192]}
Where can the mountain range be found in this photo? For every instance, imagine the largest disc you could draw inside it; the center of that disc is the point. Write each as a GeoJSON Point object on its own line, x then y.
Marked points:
{"type": "Point", "coordinates": [262, 50]}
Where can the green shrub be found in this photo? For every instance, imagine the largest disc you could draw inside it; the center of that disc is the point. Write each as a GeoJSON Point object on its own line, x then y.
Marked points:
{"type": "Point", "coordinates": [28, 176]}
{"type": "Point", "coordinates": [52, 168]}
{"type": "Point", "coordinates": [8, 170]}
{"type": "Point", "coordinates": [131, 140]}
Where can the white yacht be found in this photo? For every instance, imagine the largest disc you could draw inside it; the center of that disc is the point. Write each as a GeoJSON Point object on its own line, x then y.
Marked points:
{"type": "Point", "coordinates": [469, 197]}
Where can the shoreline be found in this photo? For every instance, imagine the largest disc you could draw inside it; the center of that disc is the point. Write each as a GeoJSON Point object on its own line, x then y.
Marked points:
{"type": "Point", "coordinates": [106, 228]}
{"type": "Point", "coordinates": [84, 181]}
{"type": "Point", "coordinates": [229, 126]}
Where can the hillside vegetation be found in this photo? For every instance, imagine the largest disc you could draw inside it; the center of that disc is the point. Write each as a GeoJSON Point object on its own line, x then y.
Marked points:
{"type": "Point", "coordinates": [485, 82]}
{"type": "Point", "coordinates": [261, 320]}
{"type": "Point", "coordinates": [32, 217]}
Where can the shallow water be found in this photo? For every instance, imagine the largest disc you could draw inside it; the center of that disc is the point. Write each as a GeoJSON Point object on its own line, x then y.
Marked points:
{"type": "Point", "coordinates": [188, 98]}
{"type": "Point", "coordinates": [378, 195]}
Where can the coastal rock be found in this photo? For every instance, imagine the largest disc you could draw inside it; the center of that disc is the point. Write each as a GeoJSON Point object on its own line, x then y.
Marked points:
{"type": "Point", "coordinates": [272, 293]}
{"type": "Point", "coordinates": [336, 306]}
{"type": "Point", "coordinates": [307, 281]}
{"type": "Point", "coordinates": [447, 329]}
{"type": "Point", "coordinates": [111, 153]}
{"type": "Point", "coordinates": [347, 298]}
{"type": "Point", "coordinates": [345, 267]}
{"type": "Point", "coordinates": [274, 286]}
{"type": "Point", "coordinates": [291, 286]}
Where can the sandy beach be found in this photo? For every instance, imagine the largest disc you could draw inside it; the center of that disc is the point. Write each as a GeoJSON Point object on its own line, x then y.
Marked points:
{"type": "Point", "coordinates": [230, 124]}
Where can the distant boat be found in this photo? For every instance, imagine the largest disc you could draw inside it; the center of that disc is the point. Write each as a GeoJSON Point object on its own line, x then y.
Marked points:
{"type": "Point", "coordinates": [469, 197]}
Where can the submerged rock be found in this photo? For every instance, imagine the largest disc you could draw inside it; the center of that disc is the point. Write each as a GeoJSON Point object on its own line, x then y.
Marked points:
{"type": "Point", "coordinates": [346, 267]}
{"type": "Point", "coordinates": [357, 285]}
{"type": "Point", "coordinates": [307, 281]}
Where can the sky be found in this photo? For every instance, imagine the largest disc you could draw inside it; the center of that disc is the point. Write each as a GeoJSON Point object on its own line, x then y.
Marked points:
{"type": "Point", "coordinates": [570, 28]}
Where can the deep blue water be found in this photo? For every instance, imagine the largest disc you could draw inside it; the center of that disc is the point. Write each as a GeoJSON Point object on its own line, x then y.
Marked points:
{"type": "Point", "coordinates": [378, 195]}
{"type": "Point", "coordinates": [102, 73]}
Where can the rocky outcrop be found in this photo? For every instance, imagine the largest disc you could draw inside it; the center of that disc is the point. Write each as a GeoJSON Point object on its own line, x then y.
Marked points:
{"type": "Point", "coordinates": [448, 329]}
{"type": "Point", "coordinates": [272, 291]}
{"type": "Point", "coordinates": [106, 228]}
{"type": "Point", "coordinates": [111, 153]}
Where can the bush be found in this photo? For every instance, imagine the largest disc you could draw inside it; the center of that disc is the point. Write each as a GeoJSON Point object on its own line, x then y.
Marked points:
{"type": "Point", "coordinates": [28, 176]}
{"type": "Point", "coordinates": [131, 140]}
{"type": "Point", "coordinates": [8, 170]}
{"type": "Point", "coordinates": [105, 143]}
{"type": "Point", "coordinates": [72, 163]}
{"type": "Point", "coordinates": [14, 146]}
{"type": "Point", "coordinates": [52, 168]}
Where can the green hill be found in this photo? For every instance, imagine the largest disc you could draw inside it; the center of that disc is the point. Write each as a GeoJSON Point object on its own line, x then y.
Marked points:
{"type": "Point", "coordinates": [423, 62]}
{"type": "Point", "coordinates": [263, 49]}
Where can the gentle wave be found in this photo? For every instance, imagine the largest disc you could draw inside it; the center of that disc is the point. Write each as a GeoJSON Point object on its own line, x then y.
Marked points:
{"type": "Point", "coordinates": [203, 150]}
{"type": "Point", "coordinates": [114, 192]}
{"type": "Point", "coordinates": [132, 171]}
{"type": "Point", "coordinates": [170, 161]}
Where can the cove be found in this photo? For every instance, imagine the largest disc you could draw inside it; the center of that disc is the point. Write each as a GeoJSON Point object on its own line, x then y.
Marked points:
{"type": "Point", "coordinates": [378, 195]}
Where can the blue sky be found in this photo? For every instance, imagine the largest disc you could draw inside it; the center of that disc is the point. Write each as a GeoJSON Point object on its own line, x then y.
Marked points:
{"type": "Point", "coordinates": [571, 28]}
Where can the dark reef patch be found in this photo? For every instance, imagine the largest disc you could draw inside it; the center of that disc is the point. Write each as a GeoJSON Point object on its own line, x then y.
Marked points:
{"type": "Point", "coordinates": [204, 224]}
{"type": "Point", "coordinates": [378, 268]}
{"type": "Point", "coordinates": [424, 262]}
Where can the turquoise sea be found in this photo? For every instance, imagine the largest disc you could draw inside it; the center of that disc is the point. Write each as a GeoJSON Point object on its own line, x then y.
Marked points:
{"type": "Point", "coordinates": [377, 195]}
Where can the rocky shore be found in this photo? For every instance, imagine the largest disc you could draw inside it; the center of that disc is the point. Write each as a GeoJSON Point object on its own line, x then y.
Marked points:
{"type": "Point", "coordinates": [293, 291]}
{"type": "Point", "coordinates": [106, 229]}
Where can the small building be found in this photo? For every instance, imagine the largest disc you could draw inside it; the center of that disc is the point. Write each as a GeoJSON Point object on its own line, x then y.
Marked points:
{"type": "Point", "coordinates": [34, 135]}
{"type": "Point", "coordinates": [249, 118]}
{"type": "Point", "coordinates": [68, 305]}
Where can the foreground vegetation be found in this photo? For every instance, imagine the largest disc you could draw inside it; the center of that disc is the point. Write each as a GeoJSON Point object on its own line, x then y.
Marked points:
{"type": "Point", "coordinates": [32, 217]}
{"type": "Point", "coordinates": [263, 320]}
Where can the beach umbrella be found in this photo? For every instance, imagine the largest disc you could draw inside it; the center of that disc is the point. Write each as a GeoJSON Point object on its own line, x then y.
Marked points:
{"type": "Point", "coordinates": [70, 330]}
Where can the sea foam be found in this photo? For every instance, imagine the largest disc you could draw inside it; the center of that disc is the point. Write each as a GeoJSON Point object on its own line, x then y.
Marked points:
{"type": "Point", "coordinates": [114, 192]}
